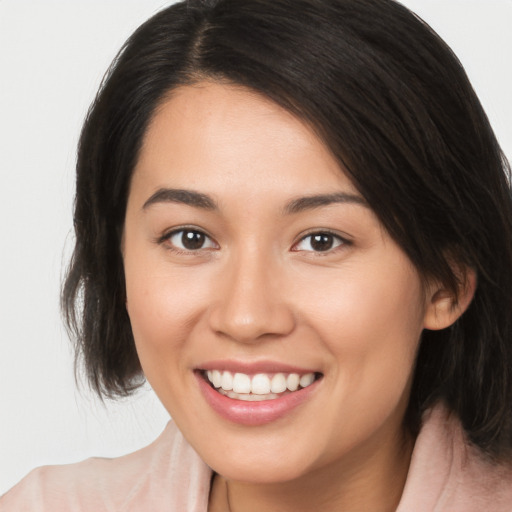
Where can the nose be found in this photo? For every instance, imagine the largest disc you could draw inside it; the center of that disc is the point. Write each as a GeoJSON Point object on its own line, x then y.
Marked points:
{"type": "Point", "coordinates": [250, 302]}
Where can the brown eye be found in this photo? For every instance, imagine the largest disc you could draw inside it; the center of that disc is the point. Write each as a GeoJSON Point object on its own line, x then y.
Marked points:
{"type": "Point", "coordinates": [319, 242]}
{"type": "Point", "coordinates": [190, 240]}
{"type": "Point", "coordinates": [322, 242]}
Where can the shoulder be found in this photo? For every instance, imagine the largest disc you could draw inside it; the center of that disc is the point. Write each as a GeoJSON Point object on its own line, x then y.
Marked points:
{"type": "Point", "coordinates": [168, 471]}
{"type": "Point", "coordinates": [449, 474]}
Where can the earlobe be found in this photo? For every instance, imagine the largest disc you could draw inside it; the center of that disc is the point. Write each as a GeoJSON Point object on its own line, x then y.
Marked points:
{"type": "Point", "coordinates": [444, 308]}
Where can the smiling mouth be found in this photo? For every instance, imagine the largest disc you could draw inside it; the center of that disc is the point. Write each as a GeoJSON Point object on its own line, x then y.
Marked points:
{"type": "Point", "coordinates": [258, 387]}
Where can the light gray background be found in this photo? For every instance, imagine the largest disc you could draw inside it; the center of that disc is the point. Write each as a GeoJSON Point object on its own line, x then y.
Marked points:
{"type": "Point", "coordinates": [52, 57]}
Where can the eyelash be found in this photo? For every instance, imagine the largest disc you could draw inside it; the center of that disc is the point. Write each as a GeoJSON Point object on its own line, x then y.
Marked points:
{"type": "Point", "coordinates": [166, 239]}
{"type": "Point", "coordinates": [342, 242]}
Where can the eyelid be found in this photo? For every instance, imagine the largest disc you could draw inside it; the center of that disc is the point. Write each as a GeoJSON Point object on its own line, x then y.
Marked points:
{"type": "Point", "coordinates": [167, 235]}
{"type": "Point", "coordinates": [345, 241]}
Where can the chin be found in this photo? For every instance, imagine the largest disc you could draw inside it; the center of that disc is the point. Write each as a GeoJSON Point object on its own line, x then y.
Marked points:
{"type": "Point", "coordinates": [266, 471]}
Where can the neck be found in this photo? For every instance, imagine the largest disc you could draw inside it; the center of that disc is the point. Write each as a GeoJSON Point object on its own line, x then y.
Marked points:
{"type": "Point", "coordinates": [373, 480]}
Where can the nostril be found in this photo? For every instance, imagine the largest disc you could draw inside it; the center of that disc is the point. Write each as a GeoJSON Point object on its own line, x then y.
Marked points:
{"type": "Point", "coordinates": [252, 326]}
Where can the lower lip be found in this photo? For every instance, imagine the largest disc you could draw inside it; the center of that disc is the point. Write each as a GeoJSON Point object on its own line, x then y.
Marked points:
{"type": "Point", "coordinates": [253, 413]}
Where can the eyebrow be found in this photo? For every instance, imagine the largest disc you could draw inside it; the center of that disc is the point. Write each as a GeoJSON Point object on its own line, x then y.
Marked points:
{"type": "Point", "coordinates": [316, 201]}
{"type": "Point", "coordinates": [188, 197]}
{"type": "Point", "coordinates": [203, 201]}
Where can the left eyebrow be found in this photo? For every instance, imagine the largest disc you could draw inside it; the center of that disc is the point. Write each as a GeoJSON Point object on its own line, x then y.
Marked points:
{"type": "Point", "coordinates": [316, 201]}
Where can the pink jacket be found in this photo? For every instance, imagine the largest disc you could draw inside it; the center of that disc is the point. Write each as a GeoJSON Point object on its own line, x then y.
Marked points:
{"type": "Point", "coordinates": [446, 475]}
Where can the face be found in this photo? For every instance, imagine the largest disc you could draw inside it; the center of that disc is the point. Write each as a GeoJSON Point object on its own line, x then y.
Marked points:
{"type": "Point", "coordinates": [251, 260]}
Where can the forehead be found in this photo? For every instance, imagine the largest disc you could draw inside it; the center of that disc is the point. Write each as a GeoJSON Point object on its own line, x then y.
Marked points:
{"type": "Point", "coordinates": [216, 137]}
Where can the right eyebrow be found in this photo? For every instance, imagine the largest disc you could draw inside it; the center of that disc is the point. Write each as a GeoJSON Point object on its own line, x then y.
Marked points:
{"type": "Point", "coordinates": [188, 197]}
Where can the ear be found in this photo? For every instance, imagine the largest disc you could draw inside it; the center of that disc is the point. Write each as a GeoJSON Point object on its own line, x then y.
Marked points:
{"type": "Point", "coordinates": [443, 308]}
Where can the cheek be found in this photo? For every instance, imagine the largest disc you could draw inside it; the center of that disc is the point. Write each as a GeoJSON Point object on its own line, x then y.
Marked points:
{"type": "Point", "coordinates": [370, 327]}
{"type": "Point", "coordinates": [163, 306]}
{"type": "Point", "coordinates": [160, 313]}
{"type": "Point", "coordinates": [163, 317]}
{"type": "Point", "coordinates": [370, 320]}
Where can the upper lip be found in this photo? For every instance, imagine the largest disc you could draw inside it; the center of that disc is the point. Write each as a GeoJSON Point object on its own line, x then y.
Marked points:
{"type": "Point", "coordinates": [254, 367]}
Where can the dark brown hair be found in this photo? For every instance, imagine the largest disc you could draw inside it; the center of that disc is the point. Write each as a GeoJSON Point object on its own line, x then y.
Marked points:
{"type": "Point", "coordinates": [395, 107]}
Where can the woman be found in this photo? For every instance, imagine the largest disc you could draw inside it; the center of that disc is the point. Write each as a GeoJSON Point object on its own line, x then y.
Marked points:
{"type": "Point", "coordinates": [294, 220]}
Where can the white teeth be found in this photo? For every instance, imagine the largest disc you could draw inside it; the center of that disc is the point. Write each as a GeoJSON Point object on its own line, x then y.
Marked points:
{"type": "Point", "coordinates": [292, 381]}
{"type": "Point", "coordinates": [241, 383]}
{"type": "Point", "coordinates": [227, 381]}
{"type": "Point", "coordinates": [216, 379]}
{"type": "Point", "coordinates": [278, 384]}
{"type": "Point", "coordinates": [260, 385]}
{"type": "Point", "coordinates": [307, 379]}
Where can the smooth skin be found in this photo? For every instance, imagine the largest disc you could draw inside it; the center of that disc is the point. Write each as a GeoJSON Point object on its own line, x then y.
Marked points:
{"type": "Point", "coordinates": [249, 271]}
